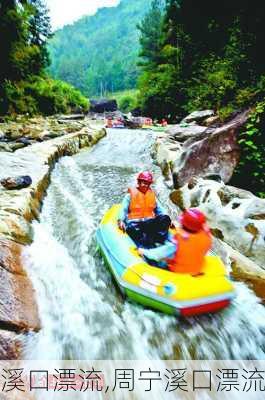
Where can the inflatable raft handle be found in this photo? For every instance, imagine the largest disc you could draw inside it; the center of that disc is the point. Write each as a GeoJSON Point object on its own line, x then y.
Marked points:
{"type": "Point", "coordinates": [169, 289]}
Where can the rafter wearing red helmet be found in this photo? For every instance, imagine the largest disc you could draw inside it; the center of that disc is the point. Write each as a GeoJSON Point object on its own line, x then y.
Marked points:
{"type": "Point", "coordinates": [142, 216]}
{"type": "Point", "coordinates": [185, 251]}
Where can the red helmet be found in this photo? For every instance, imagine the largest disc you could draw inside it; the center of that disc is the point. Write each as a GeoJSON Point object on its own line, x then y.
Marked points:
{"type": "Point", "coordinates": [145, 176]}
{"type": "Point", "coordinates": [192, 219]}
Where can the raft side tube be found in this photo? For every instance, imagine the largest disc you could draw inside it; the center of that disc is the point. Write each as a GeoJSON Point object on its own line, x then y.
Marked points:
{"type": "Point", "coordinates": [154, 300]}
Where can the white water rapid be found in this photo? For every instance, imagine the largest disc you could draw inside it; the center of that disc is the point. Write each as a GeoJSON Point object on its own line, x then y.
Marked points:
{"type": "Point", "coordinates": [82, 313]}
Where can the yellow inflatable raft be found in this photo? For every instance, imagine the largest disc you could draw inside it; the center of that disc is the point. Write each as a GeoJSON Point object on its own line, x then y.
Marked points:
{"type": "Point", "coordinates": [169, 292]}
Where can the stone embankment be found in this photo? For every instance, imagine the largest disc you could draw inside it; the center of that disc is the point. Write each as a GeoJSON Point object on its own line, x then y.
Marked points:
{"type": "Point", "coordinates": [18, 312]}
{"type": "Point", "coordinates": [198, 161]}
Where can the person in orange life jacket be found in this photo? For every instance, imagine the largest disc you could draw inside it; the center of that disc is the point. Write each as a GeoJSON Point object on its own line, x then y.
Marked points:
{"type": "Point", "coordinates": [109, 123]}
{"type": "Point", "coordinates": [184, 252]}
{"type": "Point", "coordinates": [141, 216]}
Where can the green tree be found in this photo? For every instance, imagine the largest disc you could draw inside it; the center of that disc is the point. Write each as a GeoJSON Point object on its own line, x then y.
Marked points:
{"type": "Point", "coordinates": [209, 56]}
{"type": "Point", "coordinates": [213, 58]}
{"type": "Point", "coordinates": [160, 83]}
{"type": "Point", "coordinates": [151, 34]}
{"type": "Point", "coordinates": [40, 30]}
{"type": "Point", "coordinates": [12, 36]}
{"type": "Point", "coordinates": [24, 86]}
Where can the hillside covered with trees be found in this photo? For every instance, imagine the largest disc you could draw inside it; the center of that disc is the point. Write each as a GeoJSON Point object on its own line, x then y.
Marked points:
{"type": "Point", "coordinates": [98, 54]}
{"type": "Point", "coordinates": [199, 56]}
{"type": "Point", "coordinates": [25, 87]}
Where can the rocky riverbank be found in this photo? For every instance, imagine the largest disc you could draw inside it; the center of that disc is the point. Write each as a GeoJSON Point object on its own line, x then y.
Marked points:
{"type": "Point", "coordinates": [28, 148]}
{"type": "Point", "coordinates": [198, 157]}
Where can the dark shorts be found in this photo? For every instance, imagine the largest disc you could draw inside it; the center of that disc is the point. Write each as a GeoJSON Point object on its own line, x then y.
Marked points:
{"type": "Point", "coordinates": [149, 232]}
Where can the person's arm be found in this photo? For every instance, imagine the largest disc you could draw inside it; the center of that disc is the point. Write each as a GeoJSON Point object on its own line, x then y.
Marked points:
{"type": "Point", "coordinates": [124, 211]}
{"type": "Point", "coordinates": [167, 250]}
{"type": "Point", "coordinates": [159, 210]}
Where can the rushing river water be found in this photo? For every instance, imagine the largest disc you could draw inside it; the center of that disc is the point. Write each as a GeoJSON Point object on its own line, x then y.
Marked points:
{"type": "Point", "coordinates": [82, 313]}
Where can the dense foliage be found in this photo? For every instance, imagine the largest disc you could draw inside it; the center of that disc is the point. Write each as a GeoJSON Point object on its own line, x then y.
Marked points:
{"type": "Point", "coordinates": [98, 54]}
{"type": "Point", "coordinates": [128, 102]}
{"type": "Point", "coordinates": [250, 171]}
{"type": "Point", "coordinates": [43, 95]}
{"type": "Point", "coordinates": [24, 87]}
{"type": "Point", "coordinates": [208, 57]}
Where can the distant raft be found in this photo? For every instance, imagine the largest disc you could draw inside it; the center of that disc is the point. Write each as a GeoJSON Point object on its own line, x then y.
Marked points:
{"type": "Point", "coordinates": [154, 128]}
{"type": "Point", "coordinates": [168, 292]}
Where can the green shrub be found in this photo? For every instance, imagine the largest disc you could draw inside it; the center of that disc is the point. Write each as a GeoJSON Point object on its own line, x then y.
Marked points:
{"type": "Point", "coordinates": [127, 103]}
{"type": "Point", "coordinates": [161, 93]}
{"type": "Point", "coordinates": [15, 101]}
{"type": "Point", "coordinates": [55, 96]}
{"type": "Point", "coordinates": [225, 112]}
{"type": "Point", "coordinates": [213, 85]}
{"type": "Point", "coordinates": [41, 95]}
{"type": "Point", "coordinates": [245, 96]}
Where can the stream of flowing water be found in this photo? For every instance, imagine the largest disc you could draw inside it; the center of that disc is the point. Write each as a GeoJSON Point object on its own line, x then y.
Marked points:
{"type": "Point", "coordinates": [83, 315]}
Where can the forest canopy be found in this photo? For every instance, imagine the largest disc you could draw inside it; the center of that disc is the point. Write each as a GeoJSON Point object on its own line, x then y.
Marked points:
{"type": "Point", "coordinates": [204, 56]}
{"type": "Point", "coordinates": [98, 54]}
{"type": "Point", "coordinates": [199, 56]}
{"type": "Point", "coordinates": [24, 84]}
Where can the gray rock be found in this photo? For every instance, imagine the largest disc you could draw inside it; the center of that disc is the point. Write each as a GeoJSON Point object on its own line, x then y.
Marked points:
{"type": "Point", "coordinates": [215, 151]}
{"type": "Point", "coordinates": [181, 133]}
{"type": "Point", "coordinates": [18, 182]}
{"type": "Point", "coordinates": [212, 121]}
{"type": "Point", "coordinates": [16, 145]}
{"type": "Point", "coordinates": [103, 105]}
{"type": "Point", "coordinates": [198, 116]}
{"type": "Point", "coordinates": [62, 119]}
{"type": "Point", "coordinates": [5, 147]}
{"type": "Point", "coordinates": [234, 215]}
{"type": "Point", "coordinates": [24, 140]}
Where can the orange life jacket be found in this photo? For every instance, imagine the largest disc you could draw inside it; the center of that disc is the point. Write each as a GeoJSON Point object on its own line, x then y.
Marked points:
{"type": "Point", "coordinates": [191, 249]}
{"type": "Point", "coordinates": [142, 205]}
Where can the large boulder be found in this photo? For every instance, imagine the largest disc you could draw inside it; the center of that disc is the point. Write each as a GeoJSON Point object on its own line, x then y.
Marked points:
{"type": "Point", "coordinates": [182, 133]}
{"type": "Point", "coordinates": [103, 105]}
{"type": "Point", "coordinates": [194, 150]}
{"type": "Point", "coordinates": [198, 116]}
{"type": "Point", "coordinates": [236, 216]}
